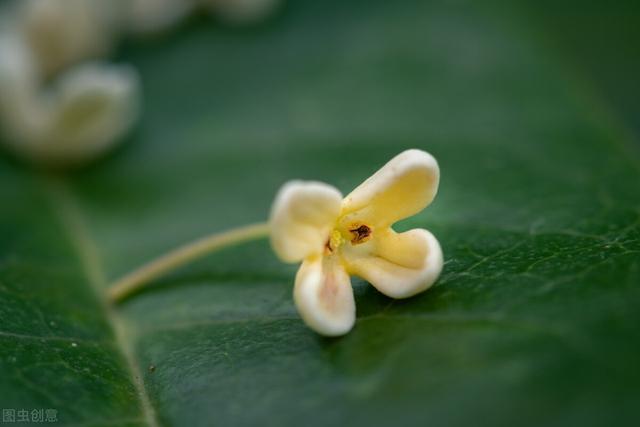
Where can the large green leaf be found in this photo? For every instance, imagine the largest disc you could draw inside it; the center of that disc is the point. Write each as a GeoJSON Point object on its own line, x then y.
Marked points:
{"type": "Point", "coordinates": [533, 322]}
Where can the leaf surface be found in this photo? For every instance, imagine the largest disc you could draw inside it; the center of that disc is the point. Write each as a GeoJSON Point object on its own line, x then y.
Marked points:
{"type": "Point", "coordinates": [533, 322]}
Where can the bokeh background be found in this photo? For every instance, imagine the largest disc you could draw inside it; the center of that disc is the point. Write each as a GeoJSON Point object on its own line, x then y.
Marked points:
{"type": "Point", "coordinates": [531, 109]}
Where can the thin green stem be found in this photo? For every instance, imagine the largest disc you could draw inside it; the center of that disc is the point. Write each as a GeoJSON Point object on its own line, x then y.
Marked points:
{"type": "Point", "coordinates": [137, 279]}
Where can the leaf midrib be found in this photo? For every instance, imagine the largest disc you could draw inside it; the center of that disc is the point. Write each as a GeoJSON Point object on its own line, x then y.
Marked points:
{"type": "Point", "coordinates": [74, 227]}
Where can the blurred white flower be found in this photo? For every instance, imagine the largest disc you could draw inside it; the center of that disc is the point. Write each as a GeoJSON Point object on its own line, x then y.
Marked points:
{"type": "Point", "coordinates": [63, 32]}
{"type": "Point", "coordinates": [83, 113]}
{"type": "Point", "coordinates": [335, 238]}
{"type": "Point", "coordinates": [52, 109]}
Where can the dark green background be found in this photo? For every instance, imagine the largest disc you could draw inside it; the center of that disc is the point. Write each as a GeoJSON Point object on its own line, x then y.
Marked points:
{"type": "Point", "coordinates": [532, 112]}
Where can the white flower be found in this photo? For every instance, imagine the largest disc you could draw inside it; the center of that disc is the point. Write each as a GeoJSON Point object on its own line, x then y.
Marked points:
{"type": "Point", "coordinates": [87, 110]}
{"type": "Point", "coordinates": [335, 238]}
{"type": "Point", "coordinates": [61, 33]}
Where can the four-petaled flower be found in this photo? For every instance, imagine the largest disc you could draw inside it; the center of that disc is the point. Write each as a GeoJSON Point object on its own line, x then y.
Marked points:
{"type": "Point", "coordinates": [335, 238]}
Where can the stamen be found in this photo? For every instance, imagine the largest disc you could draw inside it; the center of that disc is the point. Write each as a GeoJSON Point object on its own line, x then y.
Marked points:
{"type": "Point", "coordinates": [361, 234]}
{"type": "Point", "coordinates": [327, 247]}
{"type": "Point", "coordinates": [334, 242]}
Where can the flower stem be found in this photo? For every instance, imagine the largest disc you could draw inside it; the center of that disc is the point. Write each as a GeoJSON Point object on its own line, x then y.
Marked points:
{"type": "Point", "coordinates": [137, 279]}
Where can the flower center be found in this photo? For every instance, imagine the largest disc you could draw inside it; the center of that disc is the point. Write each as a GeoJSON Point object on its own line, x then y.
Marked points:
{"type": "Point", "coordinates": [355, 234]}
{"type": "Point", "coordinates": [360, 234]}
{"type": "Point", "coordinates": [334, 241]}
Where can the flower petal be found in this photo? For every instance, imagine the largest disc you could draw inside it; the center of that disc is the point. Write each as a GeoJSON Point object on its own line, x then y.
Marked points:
{"type": "Point", "coordinates": [302, 217]}
{"type": "Point", "coordinates": [324, 297]}
{"type": "Point", "coordinates": [79, 117]}
{"type": "Point", "coordinates": [399, 265]}
{"type": "Point", "coordinates": [401, 188]}
{"type": "Point", "coordinates": [94, 106]}
{"type": "Point", "coordinates": [21, 116]}
{"type": "Point", "coordinates": [64, 32]}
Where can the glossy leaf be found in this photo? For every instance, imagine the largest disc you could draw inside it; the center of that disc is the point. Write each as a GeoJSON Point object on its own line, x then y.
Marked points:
{"type": "Point", "coordinates": [533, 322]}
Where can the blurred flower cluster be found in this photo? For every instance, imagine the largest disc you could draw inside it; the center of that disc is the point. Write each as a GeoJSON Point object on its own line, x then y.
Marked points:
{"type": "Point", "coordinates": [61, 102]}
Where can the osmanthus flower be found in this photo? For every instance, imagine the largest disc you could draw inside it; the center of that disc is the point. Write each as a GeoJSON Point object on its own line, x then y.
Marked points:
{"type": "Point", "coordinates": [61, 33]}
{"type": "Point", "coordinates": [79, 116]}
{"type": "Point", "coordinates": [337, 237]}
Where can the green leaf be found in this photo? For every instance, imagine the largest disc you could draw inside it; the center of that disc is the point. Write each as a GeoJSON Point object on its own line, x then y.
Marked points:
{"type": "Point", "coordinates": [533, 322]}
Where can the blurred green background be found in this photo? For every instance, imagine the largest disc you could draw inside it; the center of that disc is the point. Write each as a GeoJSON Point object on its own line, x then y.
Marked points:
{"type": "Point", "coordinates": [532, 110]}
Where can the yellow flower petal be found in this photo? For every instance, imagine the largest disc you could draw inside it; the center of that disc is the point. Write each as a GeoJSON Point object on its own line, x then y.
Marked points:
{"type": "Point", "coordinates": [399, 265]}
{"type": "Point", "coordinates": [302, 218]}
{"type": "Point", "coordinates": [324, 297]}
{"type": "Point", "coordinates": [401, 188]}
